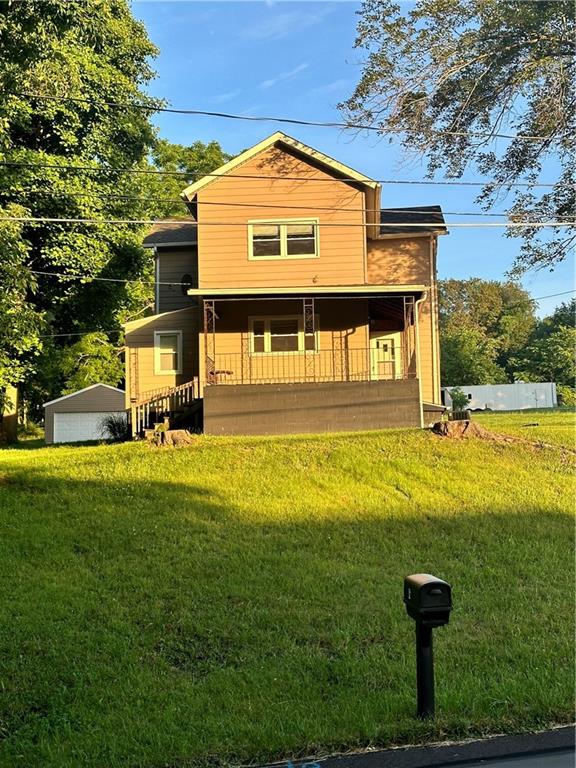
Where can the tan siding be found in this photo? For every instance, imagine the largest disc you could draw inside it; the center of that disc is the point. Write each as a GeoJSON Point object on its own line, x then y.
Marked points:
{"type": "Point", "coordinates": [96, 400]}
{"type": "Point", "coordinates": [140, 376]}
{"type": "Point", "coordinates": [173, 264]}
{"type": "Point", "coordinates": [399, 261]}
{"type": "Point", "coordinates": [406, 260]}
{"type": "Point", "coordinates": [224, 249]}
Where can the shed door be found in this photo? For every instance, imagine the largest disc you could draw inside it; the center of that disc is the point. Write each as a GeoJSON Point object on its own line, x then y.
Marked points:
{"type": "Point", "coordinates": [77, 427]}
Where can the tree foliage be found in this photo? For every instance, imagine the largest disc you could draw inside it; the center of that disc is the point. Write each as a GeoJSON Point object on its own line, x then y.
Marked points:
{"type": "Point", "coordinates": [94, 52]}
{"type": "Point", "coordinates": [483, 323]}
{"type": "Point", "coordinates": [489, 334]}
{"type": "Point", "coordinates": [448, 74]}
{"type": "Point", "coordinates": [184, 164]}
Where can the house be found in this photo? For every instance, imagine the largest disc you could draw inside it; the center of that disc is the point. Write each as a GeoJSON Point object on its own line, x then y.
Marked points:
{"type": "Point", "coordinates": [289, 301]}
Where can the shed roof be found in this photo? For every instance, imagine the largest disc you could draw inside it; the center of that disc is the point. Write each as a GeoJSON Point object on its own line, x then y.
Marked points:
{"type": "Point", "coordinates": [422, 214]}
{"type": "Point", "coordinates": [81, 391]}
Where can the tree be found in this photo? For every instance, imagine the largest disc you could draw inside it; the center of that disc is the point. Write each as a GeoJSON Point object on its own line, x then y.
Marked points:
{"type": "Point", "coordinates": [184, 165]}
{"type": "Point", "coordinates": [501, 316]}
{"type": "Point", "coordinates": [551, 358]}
{"type": "Point", "coordinates": [450, 74]}
{"type": "Point", "coordinates": [60, 63]}
{"type": "Point", "coordinates": [468, 356]}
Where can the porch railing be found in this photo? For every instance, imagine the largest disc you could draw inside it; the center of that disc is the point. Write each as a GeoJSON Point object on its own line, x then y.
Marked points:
{"type": "Point", "coordinates": [298, 367]}
{"type": "Point", "coordinates": [155, 405]}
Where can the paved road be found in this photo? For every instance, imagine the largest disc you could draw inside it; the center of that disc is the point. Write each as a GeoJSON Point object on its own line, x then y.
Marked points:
{"type": "Point", "coordinates": [564, 759]}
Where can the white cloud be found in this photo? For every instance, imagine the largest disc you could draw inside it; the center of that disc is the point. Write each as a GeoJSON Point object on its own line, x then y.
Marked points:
{"type": "Point", "coordinates": [333, 87]}
{"type": "Point", "coordinates": [265, 84]}
{"type": "Point", "coordinates": [282, 24]}
{"type": "Point", "coordinates": [222, 98]}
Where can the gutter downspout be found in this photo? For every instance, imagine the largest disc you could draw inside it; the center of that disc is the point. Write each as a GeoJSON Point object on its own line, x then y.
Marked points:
{"type": "Point", "coordinates": [156, 281]}
{"type": "Point", "coordinates": [417, 341]}
{"type": "Point", "coordinates": [434, 319]}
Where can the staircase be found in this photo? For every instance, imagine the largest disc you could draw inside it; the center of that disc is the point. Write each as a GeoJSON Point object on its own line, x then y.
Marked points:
{"type": "Point", "coordinates": [173, 403]}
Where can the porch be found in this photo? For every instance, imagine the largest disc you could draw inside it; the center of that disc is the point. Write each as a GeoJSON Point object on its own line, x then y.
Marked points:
{"type": "Point", "coordinates": [309, 339]}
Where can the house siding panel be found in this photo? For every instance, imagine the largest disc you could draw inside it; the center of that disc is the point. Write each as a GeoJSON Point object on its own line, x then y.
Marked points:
{"type": "Point", "coordinates": [406, 260]}
{"type": "Point", "coordinates": [140, 376]}
{"type": "Point", "coordinates": [173, 264]}
{"type": "Point", "coordinates": [224, 247]}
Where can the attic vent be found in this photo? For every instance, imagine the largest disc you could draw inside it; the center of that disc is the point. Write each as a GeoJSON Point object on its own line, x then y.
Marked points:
{"type": "Point", "coordinates": [186, 282]}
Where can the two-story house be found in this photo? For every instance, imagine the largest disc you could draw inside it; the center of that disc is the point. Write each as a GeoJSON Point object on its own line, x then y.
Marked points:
{"type": "Point", "coordinates": [289, 301]}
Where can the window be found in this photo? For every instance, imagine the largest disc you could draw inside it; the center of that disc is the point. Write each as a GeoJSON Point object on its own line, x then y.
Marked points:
{"type": "Point", "coordinates": [283, 240]}
{"type": "Point", "coordinates": [281, 335]}
{"type": "Point", "coordinates": [167, 352]}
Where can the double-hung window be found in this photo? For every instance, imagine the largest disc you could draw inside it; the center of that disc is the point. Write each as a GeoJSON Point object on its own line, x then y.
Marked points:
{"type": "Point", "coordinates": [167, 352]}
{"type": "Point", "coordinates": [294, 239]}
{"type": "Point", "coordinates": [280, 335]}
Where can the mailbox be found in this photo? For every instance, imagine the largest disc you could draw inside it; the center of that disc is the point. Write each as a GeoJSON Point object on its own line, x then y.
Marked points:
{"type": "Point", "coordinates": [428, 600]}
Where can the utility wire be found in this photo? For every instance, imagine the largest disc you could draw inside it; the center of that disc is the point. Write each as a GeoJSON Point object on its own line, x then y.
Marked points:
{"type": "Point", "coordinates": [260, 205]}
{"type": "Point", "coordinates": [119, 330]}
{"type": "Point", "coordinates": [153, 171]}
{"type": "Point", "coordinates": [419, 225]}
{"type": "Point", "coordinates": [270, 119]}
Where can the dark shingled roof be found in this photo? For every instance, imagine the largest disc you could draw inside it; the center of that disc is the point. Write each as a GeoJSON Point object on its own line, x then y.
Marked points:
{"type": "Point", "coordinates": [422, 214]}
{"type": "Point", "coordinates": [174, 233]}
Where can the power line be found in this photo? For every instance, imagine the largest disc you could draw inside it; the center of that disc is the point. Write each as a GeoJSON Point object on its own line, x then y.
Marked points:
{"type": "Point", "coordinates": [271, 119]}
{"type": "Point", "coordinates": [154, 172]}
{"type": "Point", "coordinates": [419, 225]}
{"type": "Point", "coordinates": [119, 330]}
{"type": "Point", "coordinates": [141, 199]}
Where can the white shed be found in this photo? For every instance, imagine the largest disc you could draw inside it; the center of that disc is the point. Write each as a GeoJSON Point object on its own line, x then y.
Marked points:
{"type": "Point", "coordinates": [507, 397]}
{"type": "Point", "coordinates": [78, 416]}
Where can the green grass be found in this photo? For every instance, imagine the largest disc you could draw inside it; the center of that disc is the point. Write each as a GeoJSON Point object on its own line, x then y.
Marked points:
{"type": "Point", "coordinates": [241, 600]}
{"type": "Point", "coordinates": [548, 426]}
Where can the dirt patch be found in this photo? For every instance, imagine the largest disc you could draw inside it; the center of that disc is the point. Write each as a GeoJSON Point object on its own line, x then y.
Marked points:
{"type": "Point", "coordinates": [463, 429]}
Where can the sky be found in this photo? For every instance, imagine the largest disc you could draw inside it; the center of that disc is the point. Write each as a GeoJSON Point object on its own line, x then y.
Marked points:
{"type": "Point", "coordinates": [297, 59]}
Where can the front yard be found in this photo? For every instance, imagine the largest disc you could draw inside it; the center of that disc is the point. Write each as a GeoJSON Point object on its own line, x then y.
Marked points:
{"type": "Point", "coordinates": [241, 600]}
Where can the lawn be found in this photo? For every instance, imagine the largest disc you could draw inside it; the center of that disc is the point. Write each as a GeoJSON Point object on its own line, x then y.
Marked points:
{"type": "Point", "coordinates": [241, 600]}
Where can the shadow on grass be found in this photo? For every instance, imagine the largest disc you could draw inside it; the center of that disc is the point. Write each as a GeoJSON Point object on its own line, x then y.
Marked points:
{"type": "Point", "coordinates": [149, 621]}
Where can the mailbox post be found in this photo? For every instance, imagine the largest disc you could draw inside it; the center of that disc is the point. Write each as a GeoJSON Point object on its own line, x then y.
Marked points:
{"type": "Point", "coordinates": [428, 601]}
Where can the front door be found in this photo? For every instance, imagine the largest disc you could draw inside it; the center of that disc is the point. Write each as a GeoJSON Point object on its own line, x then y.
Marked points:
{"type": "Point", "coordinates": [385, 356]}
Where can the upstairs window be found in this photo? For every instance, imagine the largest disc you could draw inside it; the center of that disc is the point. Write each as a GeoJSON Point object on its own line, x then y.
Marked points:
{"type": "Point", "coordinates": [167, 352]}
{"type": "Point", "coordinates": [294, 239]}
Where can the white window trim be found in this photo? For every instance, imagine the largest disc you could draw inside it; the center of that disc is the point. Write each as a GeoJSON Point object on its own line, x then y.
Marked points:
{"type": "Point", "coordinates": [157, 369]}
{"type": "Point", "coordinates": [283, 223]}
{"type": "Point", "coordinates": [267, 336]}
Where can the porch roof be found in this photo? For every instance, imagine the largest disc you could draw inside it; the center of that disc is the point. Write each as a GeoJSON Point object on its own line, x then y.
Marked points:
{"type": "Point", "coordinates": [310, 290]}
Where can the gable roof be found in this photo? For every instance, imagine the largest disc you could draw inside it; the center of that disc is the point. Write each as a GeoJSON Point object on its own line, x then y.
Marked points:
{"type": "Point", "coordinates": [171, 233]}
{"type": "Point", "coordinates": [294, 144]}
{"type": "Point", "coordinates": [79, 392]}
{"type": "Point", "coordinates": [404, 217]}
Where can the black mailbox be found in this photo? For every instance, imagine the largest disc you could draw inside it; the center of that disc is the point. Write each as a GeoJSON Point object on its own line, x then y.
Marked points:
{"type": "Point", "coordinates": [428, 600]}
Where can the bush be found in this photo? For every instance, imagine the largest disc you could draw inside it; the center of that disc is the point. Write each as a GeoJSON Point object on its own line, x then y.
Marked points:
{"type": "Point", "coordinates": [566, 395]}
{"type": "Point", "coordinates": [115, 427]}
{"type": "Point", "coordinates": [459, 399]}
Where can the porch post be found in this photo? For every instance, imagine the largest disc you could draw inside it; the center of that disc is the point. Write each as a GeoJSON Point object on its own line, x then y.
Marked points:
{"type": "Point", "coordinates": [209, 339]}
{"type": "Point", "coordinates": [309, 330]}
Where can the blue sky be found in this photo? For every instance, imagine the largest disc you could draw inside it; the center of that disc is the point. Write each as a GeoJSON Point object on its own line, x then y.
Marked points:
{"type": "Point", "coordinates": [297, 59]}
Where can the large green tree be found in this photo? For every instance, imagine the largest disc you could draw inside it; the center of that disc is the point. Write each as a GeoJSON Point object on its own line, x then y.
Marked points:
{"type": "Point", "coordinates": [446, 75]}
{"type": "Point", "coordinates": [501, 312]}
{"type": "Point", "coordinates": [53, 51]}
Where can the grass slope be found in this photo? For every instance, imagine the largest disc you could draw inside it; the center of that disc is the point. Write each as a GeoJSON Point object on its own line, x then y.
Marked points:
{"type": "Point", "coordinates": [241, 600]}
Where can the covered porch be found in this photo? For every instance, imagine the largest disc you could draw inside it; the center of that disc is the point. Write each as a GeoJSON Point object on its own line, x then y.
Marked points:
{"type": "Point", "coordinates": [347, 334]}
